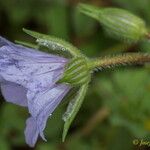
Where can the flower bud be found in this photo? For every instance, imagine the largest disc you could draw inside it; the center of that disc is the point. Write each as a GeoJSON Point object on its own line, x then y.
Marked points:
{"type": "Point", "coordinates": [117, 22]}
{"type": "Point", "coordinates": [76, 72]}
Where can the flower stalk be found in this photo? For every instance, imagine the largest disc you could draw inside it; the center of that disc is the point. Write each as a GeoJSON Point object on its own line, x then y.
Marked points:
{"type": "Point", "coordinates": [119, 60]}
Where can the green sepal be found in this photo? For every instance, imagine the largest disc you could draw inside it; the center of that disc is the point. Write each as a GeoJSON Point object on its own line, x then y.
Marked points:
{"type": "Point", "coordinates": [53, 42]}
{"type": "Point", "coordinates": [76, 72]}
{"type": "Point", "coordinates": [27, 44]}
{"type": "Point", "coordinates": [73, 109]}
{"type": "Point", "coordinates": [118, 23]}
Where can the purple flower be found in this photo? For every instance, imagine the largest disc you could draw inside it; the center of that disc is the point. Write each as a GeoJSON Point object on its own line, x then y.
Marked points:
{"type": "Point", "coordinates": [28, 78]}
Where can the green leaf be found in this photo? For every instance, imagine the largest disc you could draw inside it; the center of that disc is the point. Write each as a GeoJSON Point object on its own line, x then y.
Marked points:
{"type": "Point", "coordinates": [27, 44]}
{"type": "Point", "coordinates": [53, 42]}
{"type": "Point", "coordinates": [73, 109]}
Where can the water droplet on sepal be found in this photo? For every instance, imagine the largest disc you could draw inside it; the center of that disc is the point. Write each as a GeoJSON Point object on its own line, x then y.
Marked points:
{"type": "Point", "coordinates": [54, 43]}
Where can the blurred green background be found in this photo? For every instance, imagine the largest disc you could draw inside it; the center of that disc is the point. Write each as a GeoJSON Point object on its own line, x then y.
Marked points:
{"type": "Point", "coordinates": [116, 109]}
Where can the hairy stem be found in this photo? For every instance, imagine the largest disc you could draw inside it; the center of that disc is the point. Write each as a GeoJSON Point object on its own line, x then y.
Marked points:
{"type": "Point", "coordinates": [119, 60]}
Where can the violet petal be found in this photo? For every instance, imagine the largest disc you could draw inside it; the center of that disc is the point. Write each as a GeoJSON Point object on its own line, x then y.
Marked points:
{"type": "Point", "coordinates": [42, 104]}
{"type": "Point", "coordinates": [28, 77]}
{"type": "Point", "coordinates": [14, 93]}
{"type": "Point", "coordinates": [30, 72]}
{"type": "Point", "coordinates": [31, 132]}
